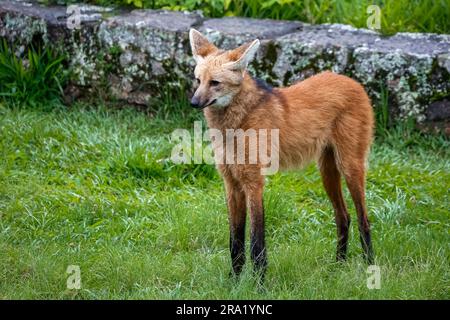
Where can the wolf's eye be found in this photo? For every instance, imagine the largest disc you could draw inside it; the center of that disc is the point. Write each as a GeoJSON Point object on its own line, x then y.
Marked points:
{"type": "Point", "coordinates": [197, 80]}
{"type": "Point", "coordinates": [214, 83]}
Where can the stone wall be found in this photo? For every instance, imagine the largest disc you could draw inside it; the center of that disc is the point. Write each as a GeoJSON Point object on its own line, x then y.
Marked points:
{"type": "Point", "coordinates": [137, 53]}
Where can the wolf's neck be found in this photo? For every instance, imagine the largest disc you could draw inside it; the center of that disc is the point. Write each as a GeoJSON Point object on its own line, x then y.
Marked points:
{"type": "Point", "coordinates": [233, 116]}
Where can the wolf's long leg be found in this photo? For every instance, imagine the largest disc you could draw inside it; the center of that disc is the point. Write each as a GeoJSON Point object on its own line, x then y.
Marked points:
{"type": "Point", "coordinates": [254, 194]}
{"type": "Point", "coordinates": [355, 182]}
{"type": "Point", "coordinates": [331, 179]}
{"type": "Point", "coordinates": [236, 216]}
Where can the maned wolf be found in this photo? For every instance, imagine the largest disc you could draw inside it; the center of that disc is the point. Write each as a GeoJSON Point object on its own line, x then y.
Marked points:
{"type": "Point", "coordinates": [327, 118]}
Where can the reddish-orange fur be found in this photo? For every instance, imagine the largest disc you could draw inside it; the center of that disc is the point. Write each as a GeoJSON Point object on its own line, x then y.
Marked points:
{"type": "Point", "coordinates": [326, 118]}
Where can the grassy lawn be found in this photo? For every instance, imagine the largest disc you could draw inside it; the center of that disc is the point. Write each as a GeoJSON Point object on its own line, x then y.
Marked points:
{"type": "Point", "coordinates": [89, 186]}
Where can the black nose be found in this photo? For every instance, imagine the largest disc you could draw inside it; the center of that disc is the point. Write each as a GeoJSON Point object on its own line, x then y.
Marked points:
{"type": "Point", "coordinates": [195, 102]}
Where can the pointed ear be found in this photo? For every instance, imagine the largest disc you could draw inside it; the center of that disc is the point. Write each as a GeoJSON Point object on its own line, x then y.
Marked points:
{"type": "Point", "coordinates": [242, 55]}
{"type": "Point", "coordinates": [200, 46]}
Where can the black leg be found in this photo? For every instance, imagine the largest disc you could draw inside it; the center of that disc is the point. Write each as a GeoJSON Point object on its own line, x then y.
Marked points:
{"type": "Point", "coordinates": [258, 247]}
{"type": "Point", "coordinates": [236, 215]}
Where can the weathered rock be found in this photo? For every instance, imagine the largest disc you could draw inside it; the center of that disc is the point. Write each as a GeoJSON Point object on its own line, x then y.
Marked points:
{"type": "Point", "coordinates": [152, 48]}
{"type": "Point", "coordinates": [403, 65]}
{"type": "Point", "coordinates": [24, 20]}
{"type": "Point", "coordinates": [136, 54]}
{"type": "Point", "coordinates": [28, 22]}
{"type": "Point", "coordinates": [406, 64]}
{"type": "Point", "coordinates": [439, 110]}
{"type": "Point", "coordinates": [316, 48]}
{"type": "Point", "coordinates": [230, 32]}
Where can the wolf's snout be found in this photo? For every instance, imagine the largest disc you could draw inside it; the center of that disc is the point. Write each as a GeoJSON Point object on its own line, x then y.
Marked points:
{"type": "Point", "coordinates": [195, 102]}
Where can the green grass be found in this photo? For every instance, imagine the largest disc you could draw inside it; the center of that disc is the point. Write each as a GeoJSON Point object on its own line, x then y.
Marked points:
{"type": "Point", "coordinates": [89, 186]}
{"type": "Point", "coordinates": [396, 15]}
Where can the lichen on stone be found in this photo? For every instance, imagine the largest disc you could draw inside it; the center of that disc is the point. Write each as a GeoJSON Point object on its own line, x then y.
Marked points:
{"type": "Point", "coordinates": [23, 29]}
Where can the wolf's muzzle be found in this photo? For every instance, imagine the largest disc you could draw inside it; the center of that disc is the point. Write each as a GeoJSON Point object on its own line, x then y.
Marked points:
{"type": "Point", "coordinates": [195, 103]}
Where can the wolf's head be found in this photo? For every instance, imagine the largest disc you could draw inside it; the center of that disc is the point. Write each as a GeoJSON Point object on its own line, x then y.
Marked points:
{"type": "Point", "coordinates": [219, 74]}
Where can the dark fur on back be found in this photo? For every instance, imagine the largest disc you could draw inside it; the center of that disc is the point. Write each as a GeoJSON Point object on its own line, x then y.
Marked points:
{"type": "Point", "coordinates": [261, 84]}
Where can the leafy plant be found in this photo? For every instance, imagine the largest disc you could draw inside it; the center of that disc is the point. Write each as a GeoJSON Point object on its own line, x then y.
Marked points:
{"type": "Point", "coordinates": [136, 3]}
{"type": "Point", "coordinates": [37, 78]}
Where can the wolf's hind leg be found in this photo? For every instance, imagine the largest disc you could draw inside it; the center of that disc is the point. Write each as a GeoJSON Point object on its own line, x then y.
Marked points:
{"type": "Point", "coordinates": [331, 179]}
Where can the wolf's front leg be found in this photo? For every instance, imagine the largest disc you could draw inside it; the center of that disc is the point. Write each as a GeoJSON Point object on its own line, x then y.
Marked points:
{"type": "Point", "coordinates": [254, 195]}
{"type": "Point", "coordinates": [236, 215]}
